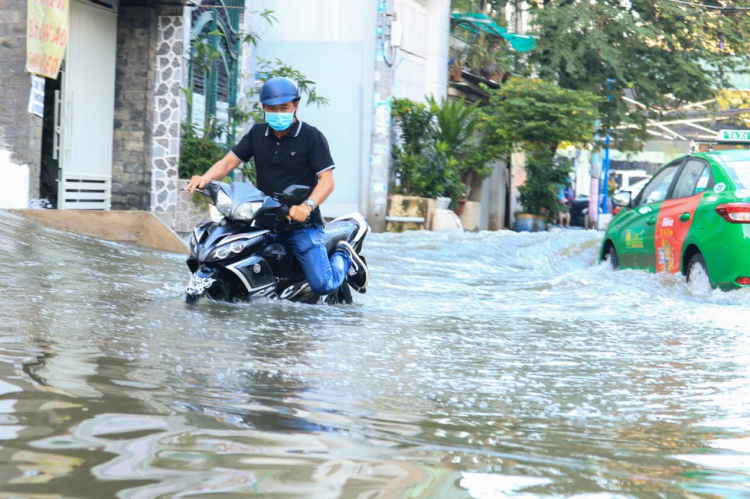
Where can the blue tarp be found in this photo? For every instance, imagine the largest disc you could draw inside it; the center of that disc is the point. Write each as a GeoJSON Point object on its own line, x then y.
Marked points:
{"type": "Point", "coordinates": [481, 22]}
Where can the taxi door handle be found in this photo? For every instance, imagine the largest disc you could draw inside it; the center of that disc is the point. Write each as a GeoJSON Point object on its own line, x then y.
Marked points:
{"type": "Point", "coordinates": [651, 221]}
{"type": "Point", "coordinates": [685, 216]}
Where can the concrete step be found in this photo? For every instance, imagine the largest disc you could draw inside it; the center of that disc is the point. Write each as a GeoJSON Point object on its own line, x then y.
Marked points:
{"type": "Point", "coordinates": [139, 227]}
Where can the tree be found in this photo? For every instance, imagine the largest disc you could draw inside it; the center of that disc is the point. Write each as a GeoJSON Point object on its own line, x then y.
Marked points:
{"type": "Point", "coordinates": [484, 6]}
{"type": "Point", "coordinates": [735, 100]}
{"type": "Point", "coordinates": [537, 116]}
{"type": "Point", "coordinates": [544, 176]}
{"type": "Point", "coordinates": [534, 113]}
{"type": "Point", "coordinates": [662, 52]}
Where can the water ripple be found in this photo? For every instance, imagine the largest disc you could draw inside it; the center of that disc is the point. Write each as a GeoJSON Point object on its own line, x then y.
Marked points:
{"type": "Point", "coordinates": [477, 365]}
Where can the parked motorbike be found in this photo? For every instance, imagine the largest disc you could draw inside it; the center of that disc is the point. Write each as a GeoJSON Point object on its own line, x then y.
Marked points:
{"type": "Point", "coordinates": [237, 258]}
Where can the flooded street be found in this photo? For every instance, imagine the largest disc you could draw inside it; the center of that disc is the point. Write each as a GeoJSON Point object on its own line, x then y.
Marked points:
{"type": "Point", "coordinates": [477, 366]}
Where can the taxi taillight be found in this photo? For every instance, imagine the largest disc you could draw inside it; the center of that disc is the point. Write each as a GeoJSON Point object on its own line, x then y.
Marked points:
{"type": "Point", "coordinates": [736, 213]}
{"type": "Point", "coordinates": [745, 281]}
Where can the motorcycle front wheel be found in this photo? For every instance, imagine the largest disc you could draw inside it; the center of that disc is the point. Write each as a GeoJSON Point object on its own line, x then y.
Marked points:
{"type": "Point", "coordinates": [191, 299]}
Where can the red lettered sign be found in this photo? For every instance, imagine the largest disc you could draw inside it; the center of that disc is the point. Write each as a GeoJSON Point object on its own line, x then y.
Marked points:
{"type": "Point", "coordinates": [46, 36]}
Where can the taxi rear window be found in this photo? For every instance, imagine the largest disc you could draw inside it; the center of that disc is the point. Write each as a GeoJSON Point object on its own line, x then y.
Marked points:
{"type": "Point", "coordinates": [739, 172]}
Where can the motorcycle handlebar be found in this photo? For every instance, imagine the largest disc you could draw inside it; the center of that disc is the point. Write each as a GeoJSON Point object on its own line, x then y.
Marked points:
{"type": "Point", "coordinates": [200, 191]}
{"type": "Point", "coordinates": [292, 224]}
{"type": "Point", "coordinates": [284, 210]}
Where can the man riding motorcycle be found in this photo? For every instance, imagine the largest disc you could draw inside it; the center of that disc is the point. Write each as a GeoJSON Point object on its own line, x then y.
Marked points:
{"type": "Point", "coordinates": [287, 152]}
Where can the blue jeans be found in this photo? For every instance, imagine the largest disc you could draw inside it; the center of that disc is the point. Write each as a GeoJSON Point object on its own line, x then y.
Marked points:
{"type": "Point", "coordinates": [324, 275]}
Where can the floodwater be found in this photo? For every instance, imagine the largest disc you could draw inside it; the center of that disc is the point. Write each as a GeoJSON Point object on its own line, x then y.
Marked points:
{"type": "Point", "coordinates": [481, 365]}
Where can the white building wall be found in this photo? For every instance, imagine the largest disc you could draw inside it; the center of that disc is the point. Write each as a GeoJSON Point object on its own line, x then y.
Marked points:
{"type": "Point", "coordinates": [332, 43]}
{"type": "Point", "coordinates": [14, 189]}
{"type": "Point", "coordinates": [438, 41]}
{"type": "Point", "coordinates": [410, 59]}
{"type": "Point", "coordinates": [518, 17]}
{"type": "Point", "coordinates": [421, 63]}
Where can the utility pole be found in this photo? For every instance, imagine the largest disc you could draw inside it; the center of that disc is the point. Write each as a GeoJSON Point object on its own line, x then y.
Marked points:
{"type": "Point", "coordinates": [380, 152]}
{"type": "Point", "coordinates": [605, 163]}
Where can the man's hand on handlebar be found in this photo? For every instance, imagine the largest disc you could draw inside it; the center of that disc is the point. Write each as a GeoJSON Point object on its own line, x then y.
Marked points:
{"type": "Point", "coordinates": [197, 182]}
{"type": "Point", "coordinates": [299, 213]}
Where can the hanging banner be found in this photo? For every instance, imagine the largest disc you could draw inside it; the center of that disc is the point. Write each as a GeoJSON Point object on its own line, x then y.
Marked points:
{"type": "Point", "coordinates": [46, 36]}
{"type": "Point", "coordinates": [36, 97]}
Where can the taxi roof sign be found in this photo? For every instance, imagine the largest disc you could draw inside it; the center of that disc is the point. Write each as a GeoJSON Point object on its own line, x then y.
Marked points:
{"type": "Point", "coordinates": [735, 136]}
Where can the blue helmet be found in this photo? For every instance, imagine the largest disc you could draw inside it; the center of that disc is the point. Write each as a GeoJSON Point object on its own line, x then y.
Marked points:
{"type": "Point", "coordinates": [278, 90]}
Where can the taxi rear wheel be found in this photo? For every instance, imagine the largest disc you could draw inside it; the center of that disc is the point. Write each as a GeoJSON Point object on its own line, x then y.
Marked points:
{"type": "Point", "coordinates": [612, 258]}
{"type": "Point", "coordinates": [697, 272]}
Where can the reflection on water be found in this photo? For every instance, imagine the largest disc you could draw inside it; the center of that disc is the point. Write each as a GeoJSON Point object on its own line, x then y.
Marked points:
{"type": "Point", "coordinates": [478, 365]}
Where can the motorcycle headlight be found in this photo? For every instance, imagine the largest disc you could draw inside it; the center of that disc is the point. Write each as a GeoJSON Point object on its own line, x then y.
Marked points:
{"type": "Point", "coordinates": [224, 204]}
{"type": "Point", "coordinates": [224, 251]}
{"type": "Point", "coordinates": [246, 211]}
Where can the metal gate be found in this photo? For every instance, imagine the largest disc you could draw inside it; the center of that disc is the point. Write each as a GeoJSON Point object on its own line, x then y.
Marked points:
{"type": "Point", "coordinates": [87, 109]}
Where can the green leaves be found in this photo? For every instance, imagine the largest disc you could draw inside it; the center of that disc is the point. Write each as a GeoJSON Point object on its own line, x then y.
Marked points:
{"type": "Point", "coordinates": [432, 137]}
{"type": "Point", "coordinates": [268, 16]}
{"type": "Point", "coordinates": [662, 52]}
{"type": "Point", "coordinates": [534, 114]}
{"type": "Point", "coordinates": [544, 176]}
{"type": "Point", "coordinates": [253, 38]}
{"type": "Point", "coordinates": [413, 120]}
{"type": "Point", "coordinates": [537, 116]}
{"type": "Point", "coordinates": [456, 122]}
{"type": "Point", "coordinates": [200, 149]}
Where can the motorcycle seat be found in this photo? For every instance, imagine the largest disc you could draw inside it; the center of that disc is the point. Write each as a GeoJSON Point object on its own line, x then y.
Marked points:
{"type": "Point", "coordinates": [333, 232]}
{"type": "Point", "coordinates": [336, 231]}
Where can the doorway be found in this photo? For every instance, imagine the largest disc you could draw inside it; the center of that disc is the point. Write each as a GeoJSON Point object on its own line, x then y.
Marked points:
{"type": "Point", "coordinates": [50, 174]}
{"type": "Point", "coordinates": [86, 109]}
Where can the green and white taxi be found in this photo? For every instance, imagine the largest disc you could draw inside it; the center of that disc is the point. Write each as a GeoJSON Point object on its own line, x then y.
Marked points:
{"type": "Point", "coordinates": [692, 217]}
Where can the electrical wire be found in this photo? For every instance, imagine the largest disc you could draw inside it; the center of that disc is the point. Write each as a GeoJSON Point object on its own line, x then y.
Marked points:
{"type": "Point", "coordinates": [713, 7]}
{"type": "Point", "coordinates": [384, 27]}
{"type": "Point", "coordinates": [385, 57]}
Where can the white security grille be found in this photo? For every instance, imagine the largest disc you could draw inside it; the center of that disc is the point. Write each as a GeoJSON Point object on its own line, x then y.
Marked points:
{"type": "Point", "coordinates": [85, 192]}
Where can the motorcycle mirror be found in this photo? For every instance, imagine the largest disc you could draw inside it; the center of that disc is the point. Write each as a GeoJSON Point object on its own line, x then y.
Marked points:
{"type": "Point", "coordinates": [293, 193]}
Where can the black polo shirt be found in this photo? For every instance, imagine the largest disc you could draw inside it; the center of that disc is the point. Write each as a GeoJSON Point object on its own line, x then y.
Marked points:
{"type": "Point", "coordinates": [296, 158]}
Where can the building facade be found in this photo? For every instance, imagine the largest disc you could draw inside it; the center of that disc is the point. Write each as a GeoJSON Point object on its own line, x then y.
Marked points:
{"type": "Point", "coordinates": [110, 133]}
{"type": "Point", "coordinates": [341, 46]}
{"type": "Point", "coordinates": [134, 73]}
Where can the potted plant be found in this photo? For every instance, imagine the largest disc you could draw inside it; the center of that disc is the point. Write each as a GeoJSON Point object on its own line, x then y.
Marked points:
{"type": "Point", "coordinates": [423, 163]}
{"type": "Point", "coordinates": [456, 68]}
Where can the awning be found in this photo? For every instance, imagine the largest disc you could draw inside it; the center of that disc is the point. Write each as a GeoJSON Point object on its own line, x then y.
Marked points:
{"type": "Point", "coordinates": [480, 22]}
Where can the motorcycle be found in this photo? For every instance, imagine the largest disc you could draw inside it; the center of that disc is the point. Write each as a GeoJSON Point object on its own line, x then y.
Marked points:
{"type": "Point", "coordinates": [237, 258]}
